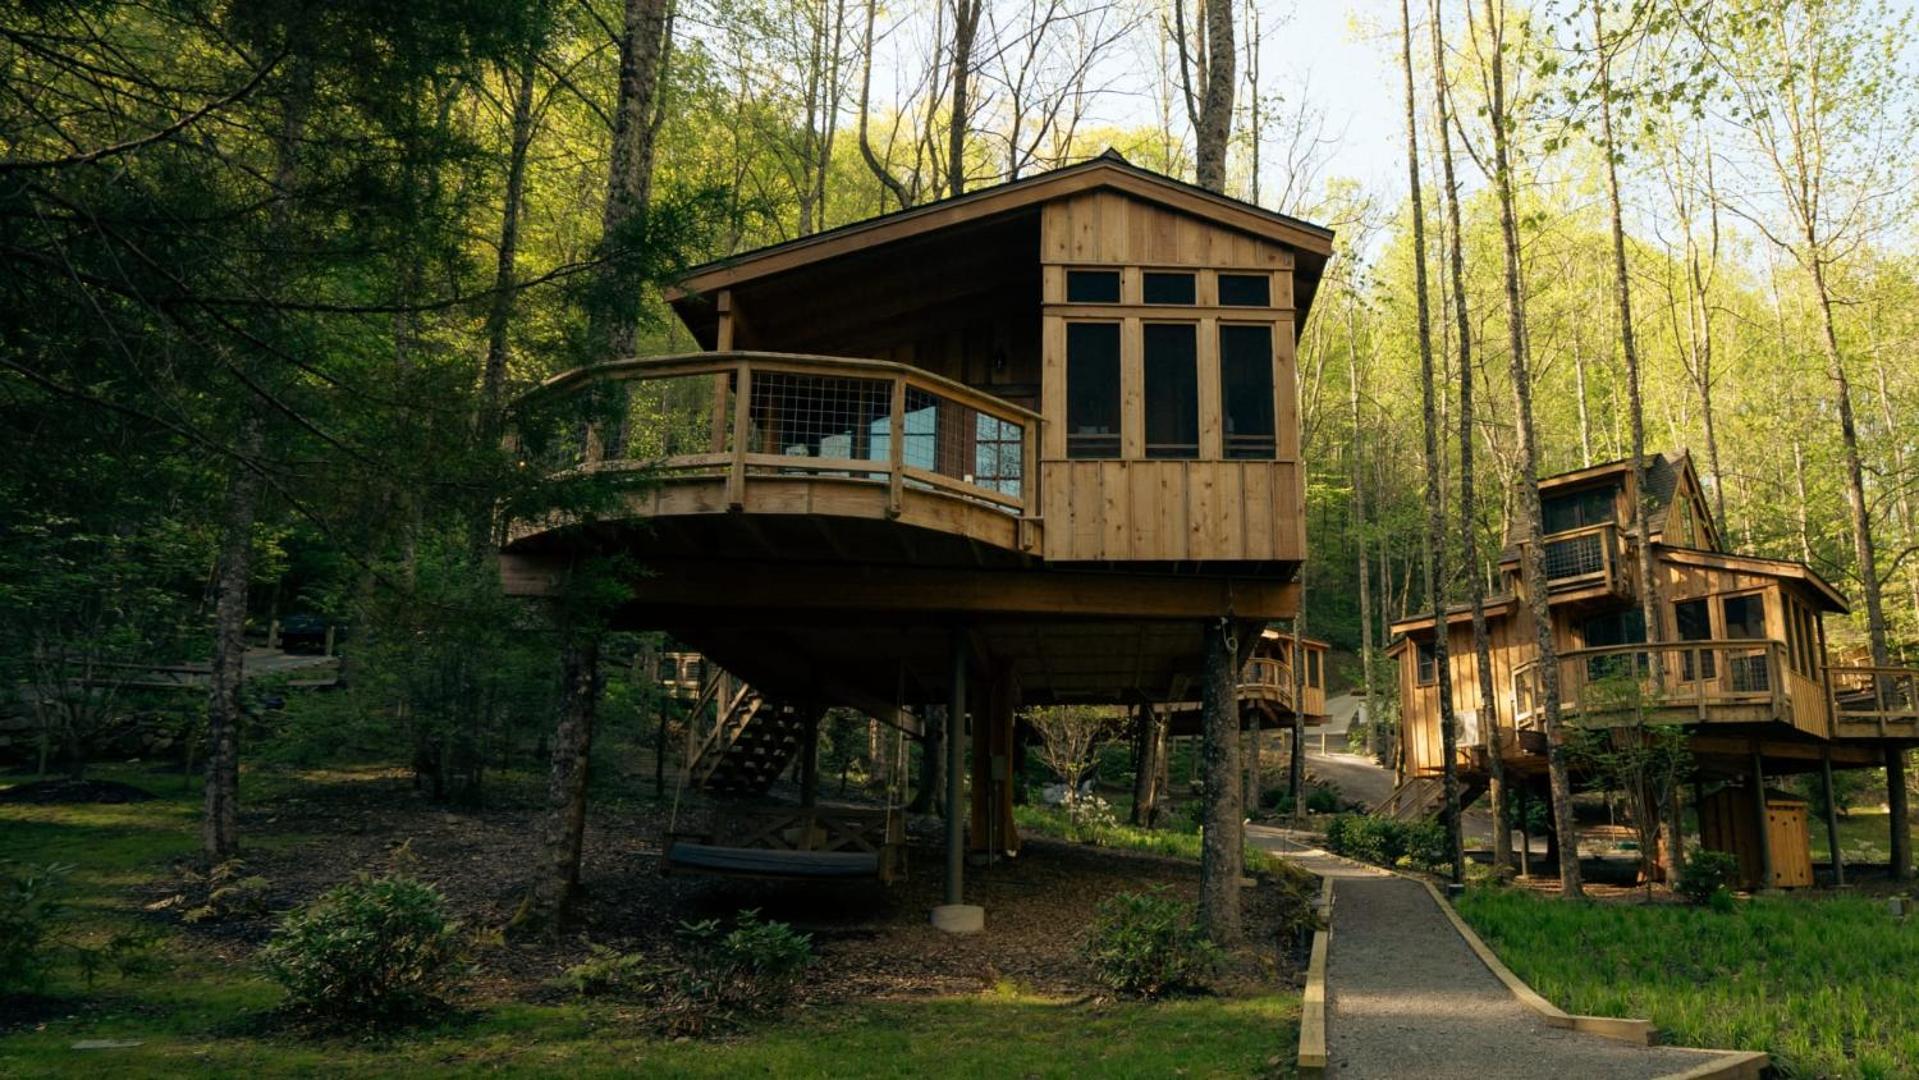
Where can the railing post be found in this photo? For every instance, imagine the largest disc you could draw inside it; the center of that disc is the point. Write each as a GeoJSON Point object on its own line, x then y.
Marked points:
{"type": "Point", "coordinates": [1029, 468]}
{"type": "Point", "coordinates": [742, 421]}
{"type": "Point", "coordinates": [896, 449]}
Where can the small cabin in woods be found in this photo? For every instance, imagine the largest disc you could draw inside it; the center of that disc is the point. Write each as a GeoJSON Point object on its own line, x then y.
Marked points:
{"type": "Point", "coordinates": [1027, 445]}
{"type": "Point", "coordinates": [1740, 663]}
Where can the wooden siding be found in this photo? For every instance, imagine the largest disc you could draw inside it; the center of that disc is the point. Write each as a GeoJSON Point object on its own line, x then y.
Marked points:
{"type": "Point", "coordinates": [1130, 508]}
{"type": "Point", "coordinates": [1172, 510]}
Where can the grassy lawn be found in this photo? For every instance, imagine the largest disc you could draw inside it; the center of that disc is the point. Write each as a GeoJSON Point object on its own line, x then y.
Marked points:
{"type": "Point", "coordinates": [1827, 986]}
{"type": "Point", "coordinates": [210, 1012]}
{"type": "Point", "coordinates": [1054, 822]}
{"type": "Point", "coordinates": [1863, 836]}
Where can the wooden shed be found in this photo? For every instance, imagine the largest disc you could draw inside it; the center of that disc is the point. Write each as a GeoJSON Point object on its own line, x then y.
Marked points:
{"type": "Point", "coordinates": [1727, 822]}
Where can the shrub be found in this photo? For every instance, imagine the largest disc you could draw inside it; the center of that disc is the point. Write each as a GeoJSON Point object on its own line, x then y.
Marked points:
{"type": "Point", "coordinates": [1707, 874]}
{"type": "Point", "coordinates": [607, 971]}
{"type": "Point", "coordinates": [1367, 838]}
{"type": "Point", "coordinates": [1322, 798]}
{"type": "Point", "coordinates": [30, 909]}
{"type": "Point", "coordinates": [1147, 944]}
{"type": "Point", "coordinates": [747, 970]}
{"type": "Point", "coordinates": [1088, 819]}
{"type": "Point", "coordinates": [1427, 845]}
{"type": "Point", "coordinates": [228, 892]}
{"type": "Point", "coordinates": [373, 951]}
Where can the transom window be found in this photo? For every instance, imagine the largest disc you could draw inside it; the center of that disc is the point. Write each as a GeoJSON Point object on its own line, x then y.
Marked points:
{"type": "Point", "coordinates": [1092, 286]}
{"type": "Point", "coordinates": [1166, 288]}
{"type": "Point", "coordinates": [1245, 290]}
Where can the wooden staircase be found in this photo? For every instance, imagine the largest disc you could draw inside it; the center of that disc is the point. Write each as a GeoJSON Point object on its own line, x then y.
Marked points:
{"type": "Point", "coordinates": [754, 741]}
{"type": "Point", "coordinates": [1422, 797]}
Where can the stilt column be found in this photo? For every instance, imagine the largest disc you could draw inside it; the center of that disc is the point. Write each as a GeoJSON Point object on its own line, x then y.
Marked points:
{"type": "Point", "coordinates": [955, 915]}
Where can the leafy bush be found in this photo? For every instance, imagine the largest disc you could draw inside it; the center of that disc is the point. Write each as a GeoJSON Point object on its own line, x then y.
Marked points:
{"type": "Point", "coordinates": [373, 951]}
{"type": "Point", "coordinates": [1089, 818]}
{"type": "Point", "coordinates": [1367, 838]}
{"type": "Point", "coordinates": [1322, 798]}
{"type": "Point", "coordinates": [1147, 944]}
{"type": "Point", "coordinates": [1706, 874]}
{"type": "Point", "coordinates": [30, 909]}
{"type": "Point", "coordinates": [228, 892]}
{"type": "Point", "coordinates": [1427, 845]}
{"type": "Point", "coordinates": [748, 970]}
{"type": "Point", "coordinates": [607, 971]}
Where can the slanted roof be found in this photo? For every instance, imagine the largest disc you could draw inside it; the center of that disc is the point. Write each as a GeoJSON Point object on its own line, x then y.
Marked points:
{"type": "Point", "coordinates": [1312, 244]}
{"type": "Point", "coordinates": [1785, 569]}
{"type": "Point", "coordinates": [1662, 481]}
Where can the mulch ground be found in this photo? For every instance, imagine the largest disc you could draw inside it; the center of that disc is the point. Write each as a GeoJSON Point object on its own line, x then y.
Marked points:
{"type": "Point", "coordinates": [871, 940]}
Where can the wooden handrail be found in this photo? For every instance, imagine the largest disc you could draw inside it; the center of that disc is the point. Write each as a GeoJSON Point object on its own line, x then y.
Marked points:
{"type": "Point", "coordinates": [640, 368]}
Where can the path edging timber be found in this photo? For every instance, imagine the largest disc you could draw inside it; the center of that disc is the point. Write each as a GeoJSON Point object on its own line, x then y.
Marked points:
{"type": "Point", "coordinates": [1721, 1064]}
{"type": "Point", "coordinates": [1312, 1008]}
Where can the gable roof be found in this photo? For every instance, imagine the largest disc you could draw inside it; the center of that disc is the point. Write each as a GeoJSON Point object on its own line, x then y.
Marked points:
{"type": "Point", "coordinates": [1313, 243]}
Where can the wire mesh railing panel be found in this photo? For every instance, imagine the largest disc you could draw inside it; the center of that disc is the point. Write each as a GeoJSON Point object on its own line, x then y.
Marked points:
{"type": "Point", "coordinates": [1575, 556]}
{"type": "Point", "coordinates": [963, 443]}
{"type": "Point", "coordinates": [830, 417]}
{"type": "Point", "coordinates": [672, 418]}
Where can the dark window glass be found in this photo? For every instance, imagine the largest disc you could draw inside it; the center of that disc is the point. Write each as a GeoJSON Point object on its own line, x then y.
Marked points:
{"type": "Point", "coordinates": [1626, 627]}
{"type": "Point", "coordinates": [1172, 390]}
{"type": "Point", "coordinates": [1578, 509]}
{"type": "Point", "coordinates": [1245, 290]}
{"type": "Point", "coordinates": [1168, 289]}
{"type": "Point", "coordinates": [1092, 286]}
{"type": "Point", "coordinates": [1693, 620]}
{"type": "Point", "coordinates": [1092, 390]}
{"type": "Point", "coordinates": [1428, 671]}
{"type": "Point", "coordinates": [1745, 617]}
{"type": "Point", "coordinates": [1315, 670]}
{"type": "Point", "coordinates": [1246, 390]}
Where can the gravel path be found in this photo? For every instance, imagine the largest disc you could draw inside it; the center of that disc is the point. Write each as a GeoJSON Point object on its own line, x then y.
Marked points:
{"type": "Point", "coordinates": [1407, 998]}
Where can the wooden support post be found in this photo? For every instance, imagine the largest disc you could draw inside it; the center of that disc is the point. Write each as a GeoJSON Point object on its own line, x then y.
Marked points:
{"type": "Point", "coordinates": [742, 424]}
{"type": "Point", "coordinates": [1763, 833]}
{"type": "Point", "coordinates": [955, 761]}
{"type": "Point", "coordinates": [723, 343]}
{"type": "Point", "coordinates": [994, 833]}
{"type": "Point", "coordinates": [810, 759]}
{"type": "Point", "coordinates": [1832, 819]}
{"type": "Point", "coordinates": [1900, 820]}
{"type": "Point", "coordinates": [1525, 835]}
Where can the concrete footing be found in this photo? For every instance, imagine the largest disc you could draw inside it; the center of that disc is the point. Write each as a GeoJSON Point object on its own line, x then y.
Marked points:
{"type": "Point", "coordinates": [960, 918]}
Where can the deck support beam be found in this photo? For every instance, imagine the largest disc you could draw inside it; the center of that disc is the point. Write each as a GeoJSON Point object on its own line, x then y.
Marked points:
{"type": "Point", "coordinates": [1763, 832]}
{"type": "Point", "coordinates": [1832, 822]}
{"type": "Point", "coordinates": [810, 759]}
{"type": "Point", "coordinates": [955, 915]}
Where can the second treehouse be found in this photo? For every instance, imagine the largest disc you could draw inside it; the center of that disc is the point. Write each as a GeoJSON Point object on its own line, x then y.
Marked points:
{"type": "Point", "coordinates": [1741, 665]}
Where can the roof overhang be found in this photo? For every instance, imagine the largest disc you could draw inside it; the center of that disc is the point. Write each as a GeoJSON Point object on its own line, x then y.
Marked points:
{"type": "Point", "coordinates": [1456, 614]}
{"type": "Point", "coordinates": [1785, 569]}
{"type": "Point", "coordinates": [1312, 243]}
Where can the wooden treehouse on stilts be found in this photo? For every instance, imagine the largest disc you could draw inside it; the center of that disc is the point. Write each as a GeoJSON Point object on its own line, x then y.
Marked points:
{"type": "Point", "coordinates": [1741, 666]}
{"type": "Point", "coordinates": [1024, 446]}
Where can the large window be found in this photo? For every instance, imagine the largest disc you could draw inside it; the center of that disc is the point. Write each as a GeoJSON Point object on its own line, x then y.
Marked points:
{"type": "Point", "coordinates": [1746, 619]}
{"type": "Point", "coordinates": [1578, 509]}
{"type": "Point", "coordinates": [1624, 627]}
{"type": "Point", "coordinates": [1246, 390]}
{"type": "Point", "coordinates": [1092, 390]}
{"type": "Point", "coordinates": [1316, 670]}
{"type": "Point", "coordinates": [1692, 619]}
{"type": "Point", "coordinates": [1171, 352]}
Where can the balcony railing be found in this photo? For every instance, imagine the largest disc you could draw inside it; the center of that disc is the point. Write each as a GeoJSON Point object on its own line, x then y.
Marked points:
{"type": "Point", "coordinates": [1594, 555]}
{"type": "Point", "coordinates": [740, 415]}
{"type": "Point", "coordinates": [1875, 697]}
{"type": "Point", "coordinates": [1700, 682]}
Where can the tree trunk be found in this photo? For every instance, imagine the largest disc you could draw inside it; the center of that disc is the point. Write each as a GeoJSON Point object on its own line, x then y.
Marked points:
{"type": "Point", "coordinates": [1146, 769]}
{"type": "Point", "coordinates": [1213, 119]}
{"type": "Point", "coordinates": [1533, 556]}
{"type": "Point", "coordinates": [1488, 708]}
{"type": "Point", "coordinates": [567, 782]}
{"type": "Point", "coordinates": [630, 173]}
{"type": "Point", "coordinates": [1629, 347]}
{"type": "Point", "coordinates": [220, 827]}
{"type": "Point", "coordinates": [1221, 854]}
{"type": "Point", "coordinates": [966, 16]}
{"type": "Point", "coordinates": [1435, 506]}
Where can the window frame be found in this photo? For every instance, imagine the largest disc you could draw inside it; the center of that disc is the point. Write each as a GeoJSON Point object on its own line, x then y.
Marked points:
{"type": "Point", "coordinates": [1118, 274]}
{"type": "Point", "coordinates": [1219, 291]}
{"type": "Point", "coordinates": [1147, 273]}
{"type": "Point", "coordinates": [1146, 444]}
{"type": "Point", "coordinates": [1117, 434]}
{"type": "Point", "coordinates": [1226, 437]}
{"type": "Point", "coordinates": [1425, 663]}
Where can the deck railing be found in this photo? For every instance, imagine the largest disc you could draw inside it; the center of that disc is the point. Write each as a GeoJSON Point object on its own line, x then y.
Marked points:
{"type": "Point", "coordinates": [1592, 555]}
{"type": "Point", "coordinates": [1863, 694]}
{"type": "Point", "coordinates": [739, 415]}
{"type": "Point", "coordinates": [1703, 678]}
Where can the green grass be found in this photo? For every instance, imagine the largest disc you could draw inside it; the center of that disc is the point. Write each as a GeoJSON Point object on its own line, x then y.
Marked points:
{"type": "Point", "coordinates": [209, 1013]}
{"type": "Point", "coordinates": [1051, 821]}
{"type": "Point", "coordinates": [1863, 836]}
{"type": "Point", "coordinates": [1827, 986]}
